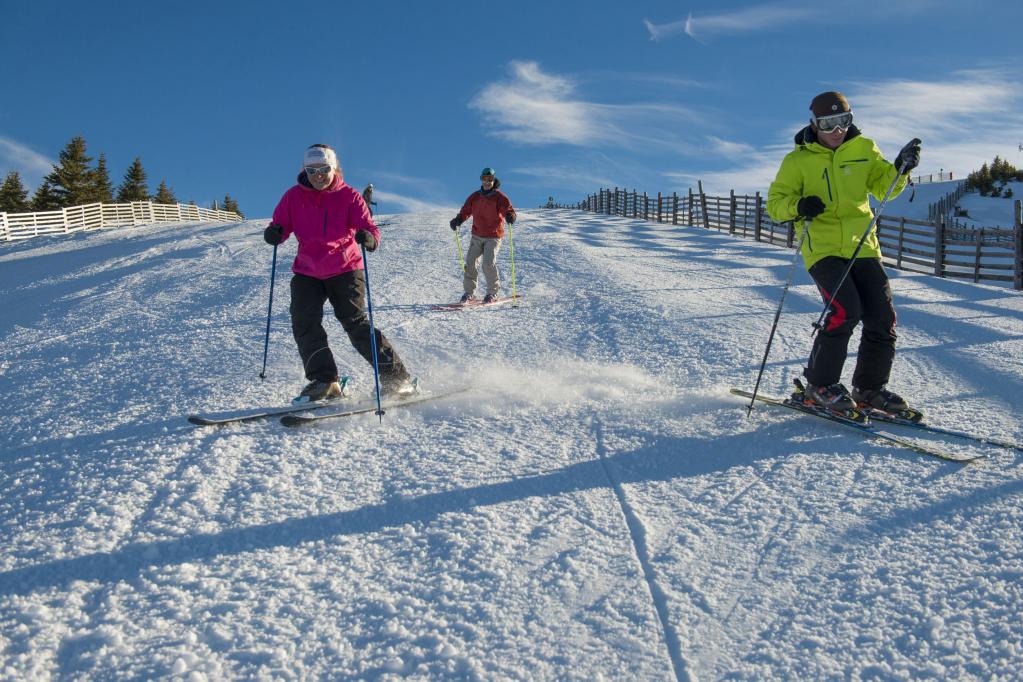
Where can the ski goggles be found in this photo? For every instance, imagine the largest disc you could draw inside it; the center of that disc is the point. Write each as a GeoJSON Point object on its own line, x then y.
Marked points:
{"type": "Point", "coordinates": [317, 170]}
{"type": "Point", "coordinates": [829, 124]}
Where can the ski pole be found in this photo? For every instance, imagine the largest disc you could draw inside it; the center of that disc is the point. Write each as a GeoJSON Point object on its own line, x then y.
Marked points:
{"type": "Point", "coordinates": [458, 241]}
{"type": "Point", "coordinates": [372, 334]}
{"type": "Point", "coordinates": [511, 252]}
{"type": "Point", "coordinates": [777, 316]}
{"type": "Point", "coordinates": [818, 325]}
{"type": "Point", "coordinates": [269, 309]}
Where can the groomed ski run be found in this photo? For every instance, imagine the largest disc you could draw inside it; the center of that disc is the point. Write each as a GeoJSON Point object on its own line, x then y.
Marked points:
{"type": "Point", "coordinates": [599, 502]}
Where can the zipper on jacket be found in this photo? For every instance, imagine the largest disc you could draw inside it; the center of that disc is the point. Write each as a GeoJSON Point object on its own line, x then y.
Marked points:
{"type": "Point", "coordinates": [324, 224]}
{"type": "Point", "coordinates": [827, 179]}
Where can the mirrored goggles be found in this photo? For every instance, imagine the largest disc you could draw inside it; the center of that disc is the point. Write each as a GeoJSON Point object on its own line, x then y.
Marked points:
{"type": "Point", "coordinates": [829, 124]}
{"type": "Point", "coordinates": [317, 170]}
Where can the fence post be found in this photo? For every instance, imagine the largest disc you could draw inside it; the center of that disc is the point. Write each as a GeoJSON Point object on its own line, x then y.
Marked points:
{"type": "Point", "coordinates": [689, 209]}
{"type": "Point", "coordinates": [902, 238]}
{"type": "Point", "coordinates": [731, 211]}
{"type": "Point", "coordinates": [67, 227]}
{"type": "Point", "coordinates": [674, 208]}
{"type": "Point", "coordinates": [5, 235]}
{"type": "Point", "coordinates": [646, 206]}
{"type": "Point", "coordinates": [939, 246]}
{"type": "Point", "coordinates": [758, 215]}
{"type": "Point", "coordinates": [703, 205]}
{"type": "Point", "coordinates": [1018, 265]}
{"type": "Point", "coordinates": [658, 207]}
{"type": "Point", "coordinates": [976, 257]}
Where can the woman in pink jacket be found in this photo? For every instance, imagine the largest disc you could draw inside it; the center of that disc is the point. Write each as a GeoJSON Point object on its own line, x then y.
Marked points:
{"type": "Point", "coordinates": [331, 222]}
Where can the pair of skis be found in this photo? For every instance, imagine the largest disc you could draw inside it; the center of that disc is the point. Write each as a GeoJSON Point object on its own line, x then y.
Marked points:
{"type": "Point", "coordinates": [309, 413]}
{"type": "Point", "coordinates": [872, 429]}
{"type": "Point", "coordinates": [473, 304]}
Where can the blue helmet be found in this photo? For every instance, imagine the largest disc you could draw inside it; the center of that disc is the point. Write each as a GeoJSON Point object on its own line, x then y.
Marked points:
{"type": "Point", "coordinates": [487, 172]}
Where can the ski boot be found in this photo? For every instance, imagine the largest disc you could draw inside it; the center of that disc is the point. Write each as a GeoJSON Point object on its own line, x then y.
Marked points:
{"type": "Point", "coordinates": [402, 388]}
{"type": "Point", "coordinates": [883, 401]}
{"type": "Point", "coordinates": [833, 399]}
{"type": "Point", "coordinates": [319, 391]}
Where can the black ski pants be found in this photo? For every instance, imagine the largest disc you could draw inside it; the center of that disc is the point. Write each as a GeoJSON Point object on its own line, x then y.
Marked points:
{"type": "Point", "coordinates": [347, 295]}
{"type": "Point", "coordinates": [865, 295]}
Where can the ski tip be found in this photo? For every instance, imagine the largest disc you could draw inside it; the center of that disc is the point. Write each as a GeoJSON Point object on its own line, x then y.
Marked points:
{"type": "Point", "coordinates": [200, 421]}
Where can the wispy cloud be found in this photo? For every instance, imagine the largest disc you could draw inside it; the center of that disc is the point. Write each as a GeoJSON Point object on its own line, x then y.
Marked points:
{"type": "Point", "coordinates": [581, 177]}
{"type": "Point", "coordinates": [535, 107]}
{"type": "Point", "coordinates": [407, 203]}
{"type": "Point", "coordinates": [662, 31]}
{"type": "Point", "coordinates": [973, 104]}
{"type": "Point", "coordinates": [30, 164]}
{"type": "Point", "coordinates": [749, 20]}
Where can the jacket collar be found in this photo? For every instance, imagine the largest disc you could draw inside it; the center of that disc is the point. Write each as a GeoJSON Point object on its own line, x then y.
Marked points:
{"type": "Point", "coordinates": [337, 183]}
{"type": "Point", "coordinates": [807, 136]}
{"type": "Point", "coordinates": [493, 190]}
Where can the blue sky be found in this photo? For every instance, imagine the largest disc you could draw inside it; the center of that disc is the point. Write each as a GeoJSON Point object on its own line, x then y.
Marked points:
{"type": "Point", "coordinates": [561, 98]}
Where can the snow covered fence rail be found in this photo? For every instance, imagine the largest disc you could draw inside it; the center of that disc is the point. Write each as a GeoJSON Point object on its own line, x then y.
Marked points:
{"type": "Point", "coordinates": [14, 226]}
{"type": "Point", "coordinates": [933, 247]}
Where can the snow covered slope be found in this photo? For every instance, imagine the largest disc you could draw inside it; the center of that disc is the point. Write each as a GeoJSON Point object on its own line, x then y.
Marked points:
{"type": "Point", "coordinates": [598, 508]}
{"type": "Point", "coordinates": [982, 211]}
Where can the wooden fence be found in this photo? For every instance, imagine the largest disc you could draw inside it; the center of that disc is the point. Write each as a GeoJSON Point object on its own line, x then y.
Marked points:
{"type": "Point", "coordinates": [15, 226]}
{"type": "Point", "coordinates": [941, 176]}
{"type": "Point", "coordinates": [946, 205]}
{"type": "Point", "coordinates": [932, 247]}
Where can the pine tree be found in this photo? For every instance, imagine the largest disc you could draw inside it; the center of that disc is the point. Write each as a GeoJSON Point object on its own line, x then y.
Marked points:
{"type": "Point", "coordinates": [13, 195]}
{"type": "Point", "coordinates": [102, 189]}
{"type": "Point", "coordinates": [165, 195]}
{"type": "Point", "coordinates": [231, 205]}
{"type": "Point", "coordinates": [133, 187]}
{"type": "Point", "coordinates": [71, 180]}
{"type": "Point", "coordinates": [45, 199]}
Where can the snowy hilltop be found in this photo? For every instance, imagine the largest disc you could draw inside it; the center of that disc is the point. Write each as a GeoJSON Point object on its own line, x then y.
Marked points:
{"type": "Point", "coordinates": [598, 506]}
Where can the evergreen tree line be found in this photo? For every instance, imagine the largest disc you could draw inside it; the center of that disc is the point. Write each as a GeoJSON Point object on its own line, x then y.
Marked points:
{"type": "Point", "coordinates": [990, 180]}
{"type": "Point", "coordinates": [74, 182]}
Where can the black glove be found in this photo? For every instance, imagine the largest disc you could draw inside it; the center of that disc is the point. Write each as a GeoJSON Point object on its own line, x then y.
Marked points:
{"type": "Point", "coordinates": [273, 234]}
{"type": "Point", "coordinates": [367, 239]}
{"type": "Point", "coordinates": [909, 155]}
{"type": "Point", "coordinates": [510, 217]}
{"type": "Point", "coordinates": [810, 207]}
{"type": "Point", "coordinates": [456, 222]}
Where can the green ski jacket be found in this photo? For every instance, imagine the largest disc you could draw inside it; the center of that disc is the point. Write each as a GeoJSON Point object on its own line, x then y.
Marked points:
{"type": "Point", "coordinates": [843, 178]}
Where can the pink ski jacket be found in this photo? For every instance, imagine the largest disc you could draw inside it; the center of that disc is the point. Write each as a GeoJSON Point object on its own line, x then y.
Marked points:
{"type": "Point", "coordinates": [325, 223]}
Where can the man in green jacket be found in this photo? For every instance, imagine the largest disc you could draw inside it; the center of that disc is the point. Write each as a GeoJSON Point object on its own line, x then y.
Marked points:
{"type": "Point", "coordinates": [824, 182]}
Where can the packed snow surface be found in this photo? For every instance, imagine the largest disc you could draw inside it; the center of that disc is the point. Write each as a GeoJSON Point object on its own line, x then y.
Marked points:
{"type": "Point", "coordinates": [597, 507]}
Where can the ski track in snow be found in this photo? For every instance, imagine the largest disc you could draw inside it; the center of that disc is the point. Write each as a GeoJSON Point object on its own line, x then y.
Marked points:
{"type": "Point", "coordinates": [597, 504]}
